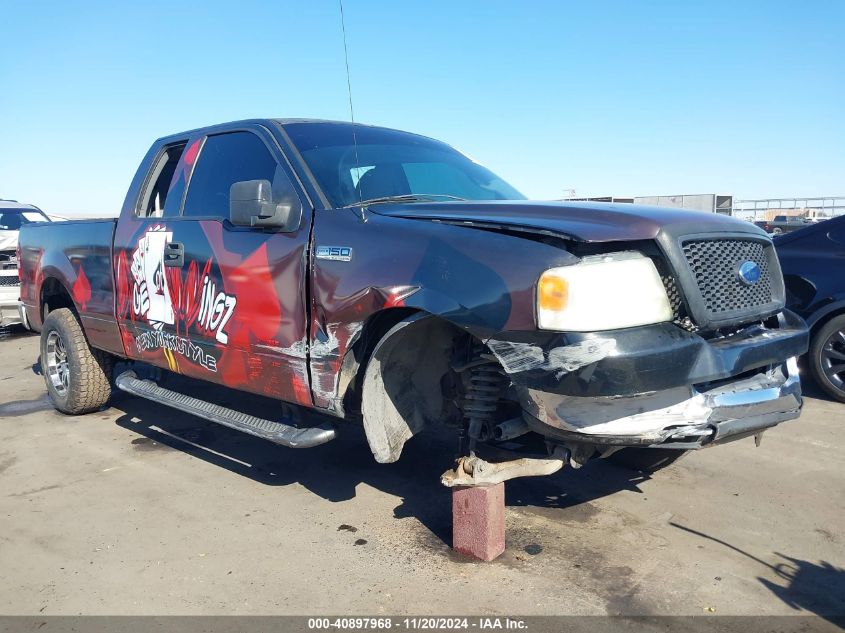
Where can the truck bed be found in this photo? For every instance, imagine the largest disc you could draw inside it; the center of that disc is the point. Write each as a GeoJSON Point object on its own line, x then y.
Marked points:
{"type": "Point", "coordinates": [78, 255]}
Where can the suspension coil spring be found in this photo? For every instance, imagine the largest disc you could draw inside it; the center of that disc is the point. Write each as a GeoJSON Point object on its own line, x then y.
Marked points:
{"type": "Point", "coordinates": [483, 386]}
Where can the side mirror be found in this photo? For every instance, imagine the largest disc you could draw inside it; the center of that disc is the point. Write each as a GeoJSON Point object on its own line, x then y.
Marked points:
{"type": "Point", "coordinates": [251, 203]}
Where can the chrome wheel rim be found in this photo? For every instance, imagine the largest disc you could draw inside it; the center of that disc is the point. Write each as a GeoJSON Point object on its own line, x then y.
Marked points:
{"type": "Point", "coordinates": [833, 359]}
{"type": "Point", "coordinates": [58, 370]}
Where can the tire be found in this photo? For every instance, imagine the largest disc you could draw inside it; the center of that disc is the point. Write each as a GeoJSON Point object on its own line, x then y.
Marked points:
{"type": "Point", "coordinates": [827, 358]}
{"type": "Point", "coordinates": [647, 460]}
{"type": "Point", "coordinates": [78, 377]}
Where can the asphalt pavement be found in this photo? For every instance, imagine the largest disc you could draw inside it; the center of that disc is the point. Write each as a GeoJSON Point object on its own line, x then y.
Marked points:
{"type": "Point", "coordinates": [139, 509]}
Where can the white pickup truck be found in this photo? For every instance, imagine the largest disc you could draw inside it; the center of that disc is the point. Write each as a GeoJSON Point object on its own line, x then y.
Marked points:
{"type": "Point", "coordinates": [13, 215]}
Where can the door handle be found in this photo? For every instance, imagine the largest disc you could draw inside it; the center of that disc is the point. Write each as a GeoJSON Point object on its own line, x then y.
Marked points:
{"type": "Point", "coordinates": [174, 254]}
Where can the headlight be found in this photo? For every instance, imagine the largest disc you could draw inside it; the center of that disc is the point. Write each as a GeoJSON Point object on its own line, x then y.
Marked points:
{"type": "Point", "coordinates": [602, 292]}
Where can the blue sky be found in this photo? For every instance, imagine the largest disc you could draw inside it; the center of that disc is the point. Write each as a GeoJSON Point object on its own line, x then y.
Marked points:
{"type": "Point", "coordinates": [622, 98]}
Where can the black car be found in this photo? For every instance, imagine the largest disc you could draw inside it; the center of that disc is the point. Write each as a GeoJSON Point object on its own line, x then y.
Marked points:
{"type": "Point", "coordinates": [813, 262]}
{"type": "Point", "coordinates": [784, 224]}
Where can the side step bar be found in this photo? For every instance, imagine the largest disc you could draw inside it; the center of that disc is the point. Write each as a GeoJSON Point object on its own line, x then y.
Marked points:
{"type": "Point", "coordinates": [277, 432]}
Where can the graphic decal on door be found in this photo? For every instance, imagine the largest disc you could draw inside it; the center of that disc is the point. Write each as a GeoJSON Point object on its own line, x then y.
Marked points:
{"type": "Point", "coordinates": [164, 296]}
{"type": "Point", "coordinates": [150, 296]}
{"type": "Point", "coordinates": [237, 303]}
{"type": "Point", "coordinates": [216, 308]}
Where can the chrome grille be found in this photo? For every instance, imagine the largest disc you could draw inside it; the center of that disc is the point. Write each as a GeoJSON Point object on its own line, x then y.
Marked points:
{"type": "Point", "coordinates": [714, 265]}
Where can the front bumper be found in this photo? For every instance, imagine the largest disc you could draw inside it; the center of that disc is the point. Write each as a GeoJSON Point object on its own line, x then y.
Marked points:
{"type": "Point", "coordinates": [647, 387]}
{"type": "Point", "coordinates": [11, 309]}
{"type": "Point", "coordinates": [733, 410]}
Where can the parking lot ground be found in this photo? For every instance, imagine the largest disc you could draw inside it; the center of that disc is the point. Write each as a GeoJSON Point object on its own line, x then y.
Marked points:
{"type": "Point", "coordinates": [139, 509]}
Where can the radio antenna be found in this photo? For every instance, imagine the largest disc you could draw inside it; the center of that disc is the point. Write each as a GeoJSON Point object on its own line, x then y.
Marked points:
{"type": "Point", "coordinates": [351, 110]}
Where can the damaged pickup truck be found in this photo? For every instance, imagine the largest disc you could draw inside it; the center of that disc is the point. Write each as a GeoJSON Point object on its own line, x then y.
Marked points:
{"type": "Point", "coordinates": [384, 278]}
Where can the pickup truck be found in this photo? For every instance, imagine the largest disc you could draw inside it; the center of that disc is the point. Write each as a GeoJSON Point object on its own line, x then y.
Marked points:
{"type": "Point", "coordinates": [386, 279]}
{"type": "Point", "coordinates": [13, 215]}
{"type": "Point", "coordinates": [784, 224]}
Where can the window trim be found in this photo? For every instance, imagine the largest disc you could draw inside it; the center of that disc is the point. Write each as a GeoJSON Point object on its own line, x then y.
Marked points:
{"type": "Point", "coordinates": [288, 150]}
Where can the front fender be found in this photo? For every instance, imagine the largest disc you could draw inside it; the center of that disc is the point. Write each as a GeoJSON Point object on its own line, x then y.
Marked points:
{"type": "Point", "coordinates": [822, 313]}
{"type": "Point", "coordinates": [481, 281]}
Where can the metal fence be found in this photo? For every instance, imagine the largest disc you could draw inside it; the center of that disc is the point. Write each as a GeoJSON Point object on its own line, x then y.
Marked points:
{"type": "Point", "coordinates": [753, 210]}
{"type": "Point", "coordinates": [767, 208]}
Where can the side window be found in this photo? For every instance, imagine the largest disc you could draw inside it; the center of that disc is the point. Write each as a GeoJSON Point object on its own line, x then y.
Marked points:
{"type": "Point", "coordinates": [157, 188]}
{"type": "Point", "coordinates": [224, 160]}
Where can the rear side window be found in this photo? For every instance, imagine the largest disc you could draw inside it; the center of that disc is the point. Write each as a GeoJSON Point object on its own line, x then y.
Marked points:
{"type": "Point", "coordinates": [154, 198]}
{"type": "Point", "coordinates": [224, 160]}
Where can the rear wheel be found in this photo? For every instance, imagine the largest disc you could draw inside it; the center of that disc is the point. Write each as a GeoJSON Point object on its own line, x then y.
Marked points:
{"type": "Point", "coordinates": [78, 377]}
{"type": "Point", "coordinates": [827, 358]}
{"type": "Point", "coordinates": [647, 460]}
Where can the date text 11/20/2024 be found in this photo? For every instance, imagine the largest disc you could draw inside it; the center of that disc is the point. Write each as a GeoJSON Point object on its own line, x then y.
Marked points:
{"type": "Point", "coordinates": [418, 623]}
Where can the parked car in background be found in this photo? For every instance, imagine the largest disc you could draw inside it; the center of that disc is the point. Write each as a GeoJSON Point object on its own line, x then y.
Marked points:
{"type": "Point", "coordinates": [13, 215]}
{"type": "Point", "coordinates": [813, 262]}
{"type": "Point", "coordinates": [784, 224]}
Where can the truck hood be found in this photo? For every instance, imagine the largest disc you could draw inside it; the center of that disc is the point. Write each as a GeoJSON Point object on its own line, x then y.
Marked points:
{"type": "Point", "coordinates": [578, 221]}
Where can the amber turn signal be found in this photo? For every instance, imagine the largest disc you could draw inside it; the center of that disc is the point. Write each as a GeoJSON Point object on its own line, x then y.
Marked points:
{"type": "Point", "coordinates": [552, 293]}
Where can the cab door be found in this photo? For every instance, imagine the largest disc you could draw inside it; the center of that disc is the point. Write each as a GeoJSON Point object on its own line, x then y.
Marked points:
{"type": "Point", "coordinates": [213, 300]}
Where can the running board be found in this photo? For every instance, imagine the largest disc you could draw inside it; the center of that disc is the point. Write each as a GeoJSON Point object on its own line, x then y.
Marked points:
{"type": "Point", "coordinates": [277, 432]}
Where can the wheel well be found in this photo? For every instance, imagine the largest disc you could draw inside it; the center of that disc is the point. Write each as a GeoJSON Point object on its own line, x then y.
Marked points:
{"type": "Point", "coordinates": [355, 361]}
{"type": "Point", "coordinates": [54, 296]}
{"type": "Point", "coordinates": [408, 382]}
{"type": "Point", "coordinates": [824, 320]}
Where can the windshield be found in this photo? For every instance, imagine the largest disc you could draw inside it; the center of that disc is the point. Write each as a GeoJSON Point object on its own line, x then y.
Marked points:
{"type": "Point", "coordinates": [14, 219]}
{"type": "Point", "coordinates": [389, 163]}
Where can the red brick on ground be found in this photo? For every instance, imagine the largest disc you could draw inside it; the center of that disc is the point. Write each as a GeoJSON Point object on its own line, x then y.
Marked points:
{"type": "Point", "coordinates": [478, 521]}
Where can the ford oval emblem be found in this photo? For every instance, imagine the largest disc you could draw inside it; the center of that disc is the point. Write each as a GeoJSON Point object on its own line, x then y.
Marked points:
{"type": "Point", "coordinates": [748, 273]}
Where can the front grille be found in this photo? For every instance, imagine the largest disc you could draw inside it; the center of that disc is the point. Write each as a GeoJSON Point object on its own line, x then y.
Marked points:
{"type": "Point", "coordinates": [680, 314]}
{"type": "Point", "coordinates": [671, 287]}
{"type": "Point", "coordinates": [8, 260]}
{"type": "Point", "coordinates": [714, 265]}
{"type": "Point", "coordinates": [9, 280]}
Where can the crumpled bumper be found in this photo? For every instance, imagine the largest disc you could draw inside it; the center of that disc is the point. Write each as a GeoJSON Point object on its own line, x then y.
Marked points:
{"type": "Point", "coordinates": [650, 387]}
{"type": "Point", "coordinates": [735, 409]}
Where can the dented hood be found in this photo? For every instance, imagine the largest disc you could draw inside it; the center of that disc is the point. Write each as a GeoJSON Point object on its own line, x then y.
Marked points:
{"type": "Point", "coordinates": [580, 221]}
